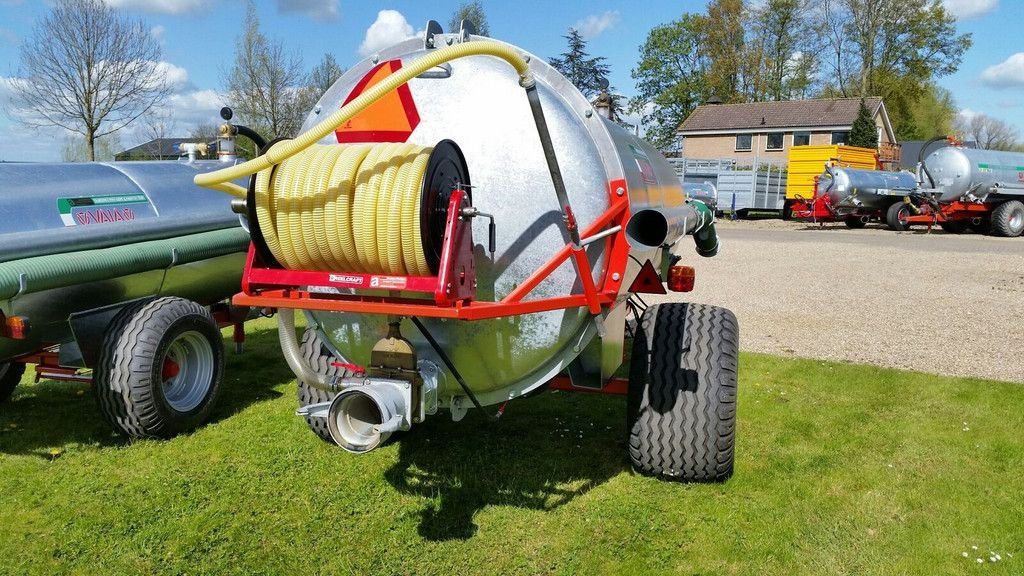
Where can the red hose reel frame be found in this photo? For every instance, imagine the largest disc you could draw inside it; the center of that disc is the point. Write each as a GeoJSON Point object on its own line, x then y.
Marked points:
{"type": "Point", "coordinates": [453, 289]}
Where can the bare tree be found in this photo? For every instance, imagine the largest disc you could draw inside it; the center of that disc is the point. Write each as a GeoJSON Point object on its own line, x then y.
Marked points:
{"type": "Point", "coordinates": [88, 69]}
{"type": "Point", "coordinates": [324, 75]}
{"type": "Point", "coordinates": [75, 148]}
{"type": "Point", "coordinates": [266, 85]}
{"type": "Point", "coordinates": [204, 132]}
{"type": "Point", "coordinates": [157, 125]}
{"type": "Point", "coordinates": [987, 132]}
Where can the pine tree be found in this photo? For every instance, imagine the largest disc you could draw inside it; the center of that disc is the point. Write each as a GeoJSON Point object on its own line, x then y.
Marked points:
{"type": "Point", "coordinates": [864, 132]}
{"type": "Point", "coordinates": [584, 72]}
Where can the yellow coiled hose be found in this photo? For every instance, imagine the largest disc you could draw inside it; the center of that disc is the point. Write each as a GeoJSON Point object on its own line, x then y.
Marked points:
{"type": "Point", "coordinates": [221, 179]}
{"type": "Point", "coordinates": [348, 208]}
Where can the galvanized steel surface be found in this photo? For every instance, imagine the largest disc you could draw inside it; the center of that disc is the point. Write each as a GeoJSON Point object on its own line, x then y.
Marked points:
{"type": "Point", "coordinates": [54, 208]}
{"type": "Point", "coordinates": [960, 171]}
{"type": "Point", "coordinates": [71, 209]}
{"type": "Point", "coordinates": [479, 105]}
{"type": "Point", "coordinates": [856, 188]}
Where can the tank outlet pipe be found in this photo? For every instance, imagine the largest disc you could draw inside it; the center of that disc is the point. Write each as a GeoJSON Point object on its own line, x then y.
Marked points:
{"type": "Point", "coordinates": [361, 418]}
{"type": "Point", "coordinates": [654, 227]}
{"type": "Point", "coordinates": [290, 348]}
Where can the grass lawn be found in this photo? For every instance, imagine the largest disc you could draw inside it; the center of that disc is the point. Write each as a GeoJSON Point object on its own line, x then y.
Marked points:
{"type": "Point", "coordinates": [840, 469]}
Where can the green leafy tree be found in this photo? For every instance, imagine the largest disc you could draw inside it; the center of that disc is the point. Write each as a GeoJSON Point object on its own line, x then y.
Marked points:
{"type": "Point", "coordinates": [864, 132]}
{"type": "Point", "coordinates": [474, 12]}
{"type": "Point", "coordinates": [724, 45]}
{"type": "Point", "coordinates": [588, 74]}
{"type": "Point", "coordinates": [670, 78]}
{"type": "Point", "coordinates": [934, 114]}
{"type": "Point", "coordinates": [781, 53]}
{"type": "Point", "coordinates": [891, 48]}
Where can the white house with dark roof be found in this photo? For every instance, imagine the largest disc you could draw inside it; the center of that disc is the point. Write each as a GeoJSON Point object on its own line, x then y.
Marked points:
{"type": "Point", "coordinates": [766, 130]}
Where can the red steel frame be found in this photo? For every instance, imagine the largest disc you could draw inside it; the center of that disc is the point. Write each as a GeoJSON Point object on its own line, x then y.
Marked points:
{"type": "Point", "coordinates": [265, 287]}
{"type": "Point", "coordinates": [47, 360]}
{"type": "Point", "coordinates": [950, 212]}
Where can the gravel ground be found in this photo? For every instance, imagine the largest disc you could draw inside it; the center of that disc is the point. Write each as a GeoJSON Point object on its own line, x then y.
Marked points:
{"type": "Point", "coordinates": [939, 303]}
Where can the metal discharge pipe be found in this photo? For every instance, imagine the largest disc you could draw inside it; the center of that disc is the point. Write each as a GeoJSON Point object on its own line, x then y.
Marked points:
{"type": "Point", "coordinates": [655, 227]}
{"type": "Point", "coordinates": [292, 355]}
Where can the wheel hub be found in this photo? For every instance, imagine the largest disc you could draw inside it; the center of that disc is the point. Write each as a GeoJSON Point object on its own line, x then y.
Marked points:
{"type": "Point", "coordinates": [187, 371]}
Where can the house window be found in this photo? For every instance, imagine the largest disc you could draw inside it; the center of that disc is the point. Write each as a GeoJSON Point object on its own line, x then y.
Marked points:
{"type": "Point", "coordinates": [801, 138]}
{"type": "Point", "coordinates": [840, 137]}
{"type": "Point", "coordinates": [774, 141]}
{"type": "Point", "coordinates": [743, 142]}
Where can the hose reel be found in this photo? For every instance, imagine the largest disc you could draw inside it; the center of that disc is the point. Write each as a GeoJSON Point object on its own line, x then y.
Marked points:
{"type": "Point", "coordinates": [360, 208]}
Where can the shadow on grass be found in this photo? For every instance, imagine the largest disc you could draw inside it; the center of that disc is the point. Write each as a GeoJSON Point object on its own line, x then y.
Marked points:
{"type": "Point", "coordinates": [51, 414]}
{"type": "Point", "coordinates": [544, 452]}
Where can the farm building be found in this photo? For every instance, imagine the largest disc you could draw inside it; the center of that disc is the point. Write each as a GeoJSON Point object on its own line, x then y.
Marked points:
{"type": "Point", "coordinates": [766, 130]}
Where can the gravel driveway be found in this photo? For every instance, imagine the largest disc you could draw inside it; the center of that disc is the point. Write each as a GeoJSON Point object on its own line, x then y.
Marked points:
{"type": "Point", "coordinates": [940, 303]}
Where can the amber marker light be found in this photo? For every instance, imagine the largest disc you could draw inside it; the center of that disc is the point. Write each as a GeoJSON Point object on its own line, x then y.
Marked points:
{"type": "Point", "coordinates": [681, 278]}
{"type": "Point", "coordinates": [15, 327]}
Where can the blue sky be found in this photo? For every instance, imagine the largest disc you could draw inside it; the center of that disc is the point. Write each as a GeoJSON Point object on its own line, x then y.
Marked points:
{"type": "Point", "coordinates": [198, 40]}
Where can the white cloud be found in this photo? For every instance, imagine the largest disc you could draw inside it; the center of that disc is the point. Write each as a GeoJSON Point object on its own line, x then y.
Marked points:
{"type": "Point", "coordinates": [318, 10]}
{"type": "Point", "coordinates": [593, 25]}
{"type": "Point", "coordinates": [966, 114]}
{"type": "Point", "coordinates": [964, 9]}
{"type": "Point", "coordinates": [388, 29]}
{"type": "Point", "coordinates": [1007, 74]}
{"type": "Point", "coordinates": [176, 76]}
{"type": "Point", "coordinates": [157, 32]}
{"type": "Point", "coordinates": [172, 7]}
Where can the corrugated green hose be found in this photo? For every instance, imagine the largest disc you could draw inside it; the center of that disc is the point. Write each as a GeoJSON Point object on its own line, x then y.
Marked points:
{"type": "Point", "coordinates": [59, 270]}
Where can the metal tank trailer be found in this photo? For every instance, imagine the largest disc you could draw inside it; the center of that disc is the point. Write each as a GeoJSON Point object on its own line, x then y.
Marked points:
{"type": "Point", "coordinates": [114, 267]}
{"type": "Point", "coordinates": [855, 196]}
{"type": "Point", "coordinates": [461, 229]}
{"type": "Point", "coordinates": [963, 188]}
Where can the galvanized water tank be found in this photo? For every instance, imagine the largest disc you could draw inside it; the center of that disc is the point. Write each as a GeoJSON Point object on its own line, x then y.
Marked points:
{"type": "Point", "coordinates": [478, 103]}
{"type": "Point", "coordinates": [958, 171]}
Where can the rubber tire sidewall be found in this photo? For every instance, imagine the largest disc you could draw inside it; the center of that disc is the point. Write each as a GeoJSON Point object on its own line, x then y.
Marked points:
{"type": "Point", "coordinates": [854, 222]}
{"type": "Point", "coordinates": [320, 360]}
{"type": "Point", "coordinates": [696, 352]}
{"type": "Point", "coordinates": [129, 373]}
{"type": "Point", "coordinates": [892, 217]}
{"type": "Point", "coordinates": [1003, 214]}
{"type": "Point", "coordinates": [10, 377]}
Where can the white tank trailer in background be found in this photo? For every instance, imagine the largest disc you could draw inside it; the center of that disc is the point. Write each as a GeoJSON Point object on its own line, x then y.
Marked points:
{"type": "Point", "coordinates": [855, 195]}
{"type": "Point", "coordinates": [114, 267]}
{"type": "Point", "coordinates": [961, 188]}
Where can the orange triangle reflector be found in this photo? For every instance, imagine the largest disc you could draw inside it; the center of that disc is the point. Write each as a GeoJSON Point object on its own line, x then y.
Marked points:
{"type": "Point", "coordinates": [647, 281]}
{"type": "Point", "coordinates": [390, 119]}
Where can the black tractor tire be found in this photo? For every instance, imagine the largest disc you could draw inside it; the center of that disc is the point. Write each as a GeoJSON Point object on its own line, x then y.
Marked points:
{"type": "Point", "coordinates": [1008, 219]}
{"type": "Point", "coordinates": [10, 376]}
{"type": "Point", "coordinates": [855, 222]}
{"type": "Point", "coordinates": [681, 404]}
{"type": "Point", "coordinates": [895, 217]}
{"type": "Point", "coordinates": [320, 360]}
{"type": "Point", "coordinates": [160, 368]}
{"type": "Point", "coordinates": [953, 226]}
